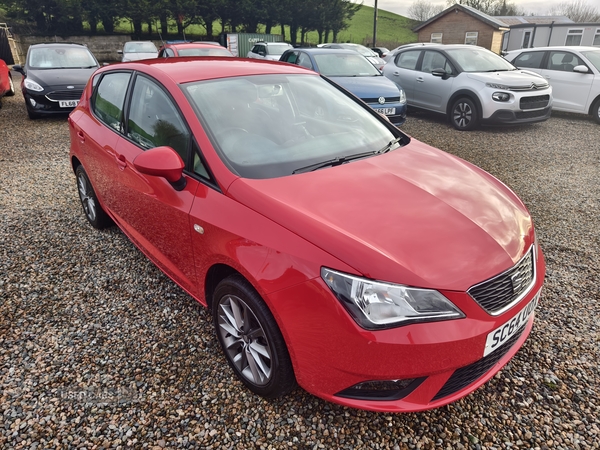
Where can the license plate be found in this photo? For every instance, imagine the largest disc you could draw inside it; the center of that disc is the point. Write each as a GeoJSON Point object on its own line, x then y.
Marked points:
{"type": "Point", "coordinates": [386, 111]}
{"type": "Point", "coordinates": [68, 103]}
{"type": "Point", "coordinates": [503, 333]}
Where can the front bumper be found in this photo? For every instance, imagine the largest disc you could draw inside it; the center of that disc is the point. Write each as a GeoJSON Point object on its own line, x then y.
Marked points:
{"type": "Point", "coordinates": [48, 101]}
{"type": "Point", "coordinates": [510, 117]}
{"type": "Point", "coordinates": [331, 354]}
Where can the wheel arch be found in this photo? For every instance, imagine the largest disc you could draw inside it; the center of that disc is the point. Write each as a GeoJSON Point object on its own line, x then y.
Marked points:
{"type": "Point", "coordinates": [75, 163]}
{"type": "Point", "coordinates": [464, 93]}
{"type": "Point", "coordinates": [592, 104]}
{"type": "Point", "coordinates": [215, 274]}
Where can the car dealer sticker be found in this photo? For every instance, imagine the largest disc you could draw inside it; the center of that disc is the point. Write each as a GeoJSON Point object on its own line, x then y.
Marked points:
{"type": "Point", "coordinates": [503, 333]}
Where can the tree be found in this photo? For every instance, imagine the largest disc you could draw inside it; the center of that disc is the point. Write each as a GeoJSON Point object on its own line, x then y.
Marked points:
{"type": "Point", "coordinates": [491, 7]}
{"type": "Point", "coordinates": [577, 11]}
{"type": "Point", "coordinates": [422, 10]}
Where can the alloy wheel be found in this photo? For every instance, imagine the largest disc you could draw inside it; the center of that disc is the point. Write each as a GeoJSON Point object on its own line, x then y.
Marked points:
{"type": "Point", "coordinates": [87, 198]}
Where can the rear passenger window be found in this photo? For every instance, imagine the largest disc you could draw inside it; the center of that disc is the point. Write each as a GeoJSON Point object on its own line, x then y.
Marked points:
{"type": "Point", "coordinates": [563, 61]}
{"type": "Point", "coordinates": [154, 121]}
{"type": "Point", "coordinates": [109, 98]}
{"type": "Point", "coordinates": [532, 60]}
{"type": "Point", "coordinates": [408, 60]}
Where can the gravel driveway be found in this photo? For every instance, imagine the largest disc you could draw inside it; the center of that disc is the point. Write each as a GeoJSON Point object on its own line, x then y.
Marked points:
{"type": "Point", "coordinates": [98, 349]}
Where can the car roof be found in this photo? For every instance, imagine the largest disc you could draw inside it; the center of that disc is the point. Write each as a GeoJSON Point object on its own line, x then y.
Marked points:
{"type": "Point", "coordinates": [187, 69]}
{"type": "Point", "coordinates": [192, 45]}
{"type": "Point", "coordinates": [327, 51]}
{"type": "Point", "coordinates": [556, 47]}
{"type": "Point", "coordinates": [58, 44]}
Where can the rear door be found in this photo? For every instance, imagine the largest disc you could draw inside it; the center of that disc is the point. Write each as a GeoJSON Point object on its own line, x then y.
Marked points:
{"type": "Point", "coordinates": [403, 71]}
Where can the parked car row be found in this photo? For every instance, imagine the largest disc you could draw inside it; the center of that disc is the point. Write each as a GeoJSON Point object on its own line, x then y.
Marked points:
{"type": "Point", "coordinates": [470, 85]}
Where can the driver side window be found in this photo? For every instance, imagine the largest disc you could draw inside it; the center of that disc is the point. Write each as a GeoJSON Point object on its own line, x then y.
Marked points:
{"type": "Point", "coordinates": [154, 121]}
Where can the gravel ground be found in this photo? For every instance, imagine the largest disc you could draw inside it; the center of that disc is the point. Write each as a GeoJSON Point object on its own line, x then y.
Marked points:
{"type": "Point", "coordinates": [99, 349]}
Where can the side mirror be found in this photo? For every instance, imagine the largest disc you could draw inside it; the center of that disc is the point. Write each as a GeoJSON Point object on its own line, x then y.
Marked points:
{"type": "Point", "coordinates": [19, 68]}
{"type": "Point", "coordinates": [581, 69]}
{"type": "Point", "coordinates": [439, 73]}
{"type": "Point", "coordinates": [162, 162]}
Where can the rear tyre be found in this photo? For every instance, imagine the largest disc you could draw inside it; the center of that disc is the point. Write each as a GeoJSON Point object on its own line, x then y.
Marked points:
{"type": "Point", "coordinates": [596, 111]}
{"type": "Point", "coordinates": [94, 213]}
{"type": "Point", "coordinates": [464, 115]}
{"type": "Point", "coordinates": [251, 339]}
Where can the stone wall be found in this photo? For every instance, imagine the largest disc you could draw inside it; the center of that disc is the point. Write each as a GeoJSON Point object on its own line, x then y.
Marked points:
{"type": "Point", "coordinates": [104, 48]}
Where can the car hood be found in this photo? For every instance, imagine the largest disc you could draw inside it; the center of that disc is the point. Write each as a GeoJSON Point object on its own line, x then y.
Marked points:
{"type": "Point", "coordinates": [139, 56]}
{"type": "Point", "coordinates": [416, 216]}
{"type": "Point", "coordinates": [368, 87]}
{"type": "Point", "coordinates": [61, 77]}
{"type": "Point", "coordinates": [513, 78]}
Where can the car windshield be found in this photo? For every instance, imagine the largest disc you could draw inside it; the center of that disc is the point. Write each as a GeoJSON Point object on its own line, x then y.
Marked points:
{"type": "Point", "coordinates": [277, 49]}
{"type": "Point", "coordinates": [204, 51]}
{"type": "Point", "coordinates": [61, 58]}
{"type": "Point", "coordinates": [345, 65]}
{"type": "Point", "coordinates": [593, 56]}
{"type": "Point", "coordinates": [267, 126]}
{"type": "Point", "coordinates": [479, 60]}
{"type": "Point", "coordinates": [139, 47]}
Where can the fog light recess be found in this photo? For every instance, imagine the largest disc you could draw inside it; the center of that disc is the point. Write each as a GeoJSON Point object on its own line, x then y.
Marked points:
{"type": "Point", "coordinates": [385, 390]}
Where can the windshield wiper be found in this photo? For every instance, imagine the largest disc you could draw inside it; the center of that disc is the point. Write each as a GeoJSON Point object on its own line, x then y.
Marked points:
{"type": "Point", "coordinates": [333, 162]}
{"type": "Point", "coordinates": [344, 159]}
{"type": "Point", "coordinates": [389, 146]}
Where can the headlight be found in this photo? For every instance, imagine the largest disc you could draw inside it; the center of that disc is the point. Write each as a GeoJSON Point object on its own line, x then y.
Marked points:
{"type": "Point", "coordinates": [376, 305]}
{"type": "Point", "coordinates": [497, 86]}
{"type": "Point", "coordinates": [501, 96]}
{"type": "Point", "coordinates": [32, 85]}
{"type": "Point", "coordinates": [402, 96]}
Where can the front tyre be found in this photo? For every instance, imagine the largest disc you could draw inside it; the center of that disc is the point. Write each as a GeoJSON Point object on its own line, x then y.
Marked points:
{"type": "Point", "coordinates": [251, 339]}
{"type": "Point", "coordinates": [596, 111]}
{"type": "Point", "coordinates": [464, 115]}
{"type": "Point", "coordinates": [94, 213]}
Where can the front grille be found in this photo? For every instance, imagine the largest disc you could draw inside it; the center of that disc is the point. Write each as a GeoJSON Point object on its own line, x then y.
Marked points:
{"type": "Point", "coordinates": [376, 100]}
{"type": "Point", "coordinates": [71, 94]}
{"type": "Point", "coordinates": [531, 114]}
{"type": "Point", "coordinates": [464, 376]}
{"type": "Point", "coordinates": [534, 102]}
{"type": "Point", "coordinates": [498, 294]}
{"type": "Point", "coordinates": [530, 87]}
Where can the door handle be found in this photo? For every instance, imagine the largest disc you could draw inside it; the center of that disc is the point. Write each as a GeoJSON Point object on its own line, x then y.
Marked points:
{"type": "Point", "coordinates": [81, 136]}
{"type": "Point", "coordinates": [396, 73]}
{"type": "Point", "coordinates": [420, 79]}
{"type": "Point", "coordinates": [121, 161]}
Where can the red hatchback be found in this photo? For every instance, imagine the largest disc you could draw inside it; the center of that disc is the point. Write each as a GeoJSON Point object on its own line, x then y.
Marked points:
{"type": "Point", "coordinates": [332, 249]}
{"type": "Point", "coordinates": [6, 83]}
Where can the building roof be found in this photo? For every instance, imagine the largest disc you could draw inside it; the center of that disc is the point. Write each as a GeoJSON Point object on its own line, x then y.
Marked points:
{"type": "Point", "coordinates": [491, 21]}
{"type": "Point", "coordinates": [517, 20]}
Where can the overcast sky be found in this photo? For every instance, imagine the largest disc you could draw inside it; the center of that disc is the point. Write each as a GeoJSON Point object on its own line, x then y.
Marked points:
{"type": "Point", "coordinates": [537, 7]}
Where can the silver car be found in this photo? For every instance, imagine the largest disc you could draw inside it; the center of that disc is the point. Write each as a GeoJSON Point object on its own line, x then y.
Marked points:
{"type": "Point", "coordinates": [268, 50]}
{"type": "Point", "coordinates": [573, 73]}
{"type": "Point", "coordinates": [470, 85]}
{"type": "Point", "coordinates": [136, 50]}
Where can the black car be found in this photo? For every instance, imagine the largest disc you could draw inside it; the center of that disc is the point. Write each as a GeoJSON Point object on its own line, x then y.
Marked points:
{"type": "Point", "coordinates": [54, 77]}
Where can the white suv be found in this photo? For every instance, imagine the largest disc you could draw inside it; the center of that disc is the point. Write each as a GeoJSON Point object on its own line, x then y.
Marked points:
{"type": "Point", "coordinates": [268, 50]}
{"type": "Point", "coordinates": [470, 85]}
{"type": "Point", "coordinates": [573, 73]}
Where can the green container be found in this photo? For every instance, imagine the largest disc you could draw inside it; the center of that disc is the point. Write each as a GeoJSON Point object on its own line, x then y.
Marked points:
{"type": "Point", "coordinates": [241, 43]}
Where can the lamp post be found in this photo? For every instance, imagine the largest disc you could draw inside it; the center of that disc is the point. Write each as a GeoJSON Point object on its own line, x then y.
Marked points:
{"type": "Point", "coordinates": [375, 25]}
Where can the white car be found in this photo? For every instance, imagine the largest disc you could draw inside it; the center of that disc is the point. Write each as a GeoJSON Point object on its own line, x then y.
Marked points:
{"type": "Point", "coordinates": [268, 50]}
{"type": "Point", "coordinates": [470, 85]}
{"type": "Point", "coordinates": [361, 49]}
{"type": "Point", "coordinates": [573, 73]}
{"type": "Point", "coordinates": [137, 50]}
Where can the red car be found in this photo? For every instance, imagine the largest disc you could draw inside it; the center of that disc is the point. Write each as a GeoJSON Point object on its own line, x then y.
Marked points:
{"type": "Point", "coordinates": [333, 250]}
{"type": "Point", "coordinates": [6, 83]}
{"type": "Point", "coordinates": [192, 49]}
